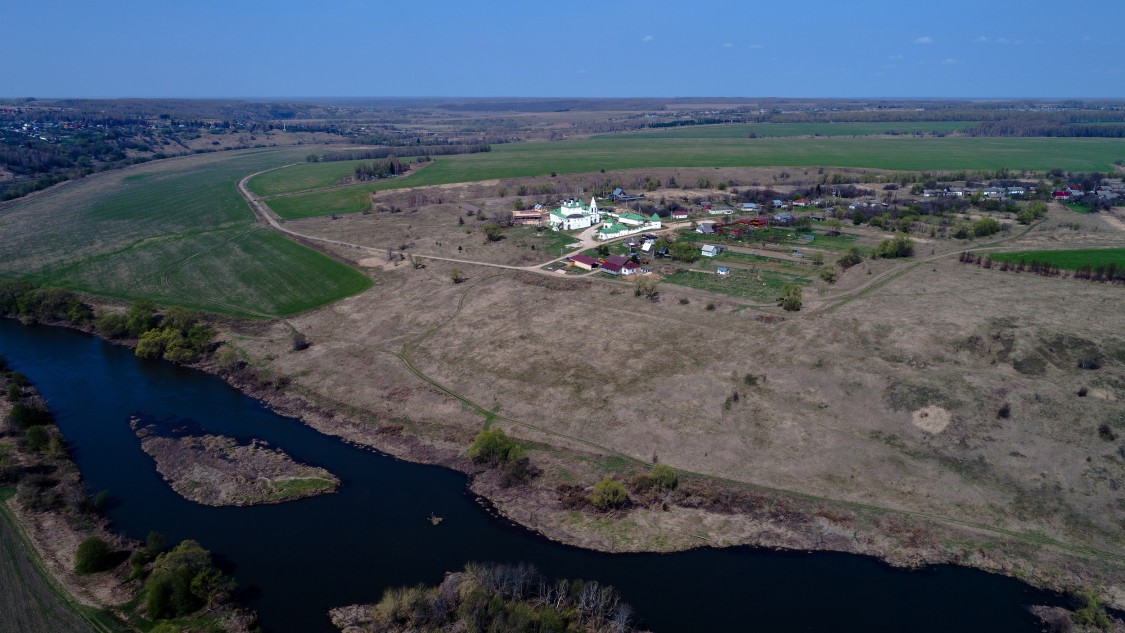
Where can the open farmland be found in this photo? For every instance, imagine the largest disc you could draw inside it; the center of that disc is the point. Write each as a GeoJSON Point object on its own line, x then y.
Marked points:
{"type": "Point", "coordinates": [625, 151]}
{"type": "Point", "coordinates": [766, 130]}
{"type": "Point", "coordinates": [1069, 260]}
{"type": "Point", "coordinates": [29, 603]}
{"type": "Point", "coordinates": [175, 231]}
{"type": "Point", "coordinates": [305, 176]}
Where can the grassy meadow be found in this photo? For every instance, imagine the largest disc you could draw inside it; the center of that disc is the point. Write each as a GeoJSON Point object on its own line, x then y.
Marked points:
{"type": "Point", "coordinates": [1067, 260]}
{"type": "Point", "coordinates": [627, 151]}
{"type": "Point", "coordinates": [175, 231]}
{"type": "Point", "coordinates": [753, 285]}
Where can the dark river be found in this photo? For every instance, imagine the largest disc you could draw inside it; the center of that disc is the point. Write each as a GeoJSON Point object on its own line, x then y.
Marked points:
{"type": "Point", "coordinates": [301, 558]}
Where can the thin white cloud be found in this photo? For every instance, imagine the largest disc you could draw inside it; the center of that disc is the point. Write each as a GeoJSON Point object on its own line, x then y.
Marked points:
{"type": "Point", "coordinates": [756, 46]}
{"type": "Point", "coordinates": [981, 40]}
{"type": "Point", "coordinates": [728, 45]}
{"type": "Point", "coordinates": [895, 57]}
{"type": "Point", "coordinates": [1087, 38]}
{"type": "Point", "coordinates": [949, 61]}
{"type": "Point", "coordinates": [925, 39]}
{"type": "Point", "coordinates": [647, 38]}
{"type": "Point", "coordinates": [1003, 40]}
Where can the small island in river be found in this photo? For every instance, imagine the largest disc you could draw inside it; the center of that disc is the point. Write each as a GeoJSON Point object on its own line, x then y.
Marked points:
{"type": "Point", "coordinates": [218, 470]}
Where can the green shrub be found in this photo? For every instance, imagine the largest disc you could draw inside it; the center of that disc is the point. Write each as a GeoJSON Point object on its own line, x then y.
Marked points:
{"type": "Point", "coordinates": [684, 252]}
{"type": "Point", "coordinates": [791, 298]}
{"type": "Point", "coordinates": [985, 226]}
{"type": "Point", "coordinates": [850, 258]}
{"type": "Point", "coordinates": [664, 477]}
{"type": "Point", "coordinates": [37, 438]}
{"type": "Point", "coordinates": [28, 415]}
{"type": "Point", "coordinates": [140, 318]}
{"type": "Point", "coordinates": [93, 555]}
{"type": "Point", "coordinates": [900, 246]}
{"type": "Point", "coordinates": [112, 325]}
{"type": "Point", "coordinates": [609, 493]}
{"type": "Point", "coordinates": [491, 447]}
{"type": "Point", "coordinates": [182, 581]}
{"type": "Point", "coordinates": [1091, 614]}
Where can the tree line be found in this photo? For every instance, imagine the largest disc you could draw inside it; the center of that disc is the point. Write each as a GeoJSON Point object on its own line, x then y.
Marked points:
{"type": "Point", "coordinates": [381, 168]}
{"type": "Point", "coordinates": [385, 152]}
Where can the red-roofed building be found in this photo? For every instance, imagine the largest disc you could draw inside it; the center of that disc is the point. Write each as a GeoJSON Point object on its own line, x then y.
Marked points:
{"type": "Point", "coordinates": [1061, 195]}
{"type": "Point", "coordinates": [584, 262]}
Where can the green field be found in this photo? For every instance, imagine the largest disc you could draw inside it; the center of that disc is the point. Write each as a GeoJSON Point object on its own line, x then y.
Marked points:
{"type": "Point", "coordinates": [304, 176]}
{"type": "Point", "coordinates": [753, 285]}
{"type": "Point", "coordinates": [1069, 260]}
{"type": "Point", "coordinates": [30, 601]}
{"type": "Point", "coordinates": [630, 152]}
{"type": "Point", "coordinates": [767, 130]}
{"type": "Point", "coordinates": [175, 231]}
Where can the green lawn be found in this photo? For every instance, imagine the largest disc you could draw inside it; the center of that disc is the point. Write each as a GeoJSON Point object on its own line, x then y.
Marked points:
{"type": "Point", "coordinates": [626, 151]}
{"type": "Point", "coordinates": [174, 231]}
{"type": "Point", "coordinates": [786, 236]}
{"type": "Point", "coordinates": [1069, 260]}
{"type": "Point", "coordinates": [753, 285]}
{"type": "Point", "coordinates": [766, 130]}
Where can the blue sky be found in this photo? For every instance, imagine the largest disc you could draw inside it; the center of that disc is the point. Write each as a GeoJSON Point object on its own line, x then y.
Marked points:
{"type": "Point", "coordinates": [793, 48]}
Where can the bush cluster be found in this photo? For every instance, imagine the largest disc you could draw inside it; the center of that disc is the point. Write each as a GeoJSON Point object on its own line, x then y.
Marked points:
{"type": "Point", "coordinates": [183, 581]}
{"type": "Point", "coordinates": [503, 598]}
{"type": "Point", "coordinates": [493, 447]}
{"type": "Point", "coordinates": [28, 302]}
{"type": "Point", "coordinates": [900, 246]}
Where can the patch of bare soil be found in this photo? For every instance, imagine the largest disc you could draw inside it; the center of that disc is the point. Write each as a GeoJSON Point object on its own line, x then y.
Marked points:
{"type": "Point", "coordinates": [217, 470]}
{"type": "Point", "coordinates": [931, 419]}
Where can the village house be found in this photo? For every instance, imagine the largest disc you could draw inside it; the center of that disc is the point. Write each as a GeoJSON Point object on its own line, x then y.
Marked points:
{"type": "Point", "coordinates": [1016, 191]}
{"type": "Point", "coordinates": [532, 217]}
{"type": "Point", "coordinates": [679, 215]}
{"type": "Point", "coordinates": [720, 211]}
{"type": "Point", "coordinates": [585, 262]}
{"type": "Point", "coordinates": [709, 250]}
{"type": "Point", "coordinates": [620, 265]}
{"type": "Point", "coordinates": [619, 195]}
{"type": "Point", "coordinates": [706, 228]}
{"type": "Point", "coordinates": [572, 214]}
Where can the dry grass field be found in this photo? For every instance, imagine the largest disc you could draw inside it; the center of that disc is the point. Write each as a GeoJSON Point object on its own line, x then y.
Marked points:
{"type": "Point", "coordinates": [947, 391]}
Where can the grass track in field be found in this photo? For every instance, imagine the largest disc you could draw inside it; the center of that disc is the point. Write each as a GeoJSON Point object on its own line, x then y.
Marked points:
{"type": "Point", "coordinates": [627, 152]}
{"type": "Point", "coordinates": [175, 231]}
{"type": "Point", "coordinates": [767, 130]}
{"type": "Point", "coordinates": [1069, 260]}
